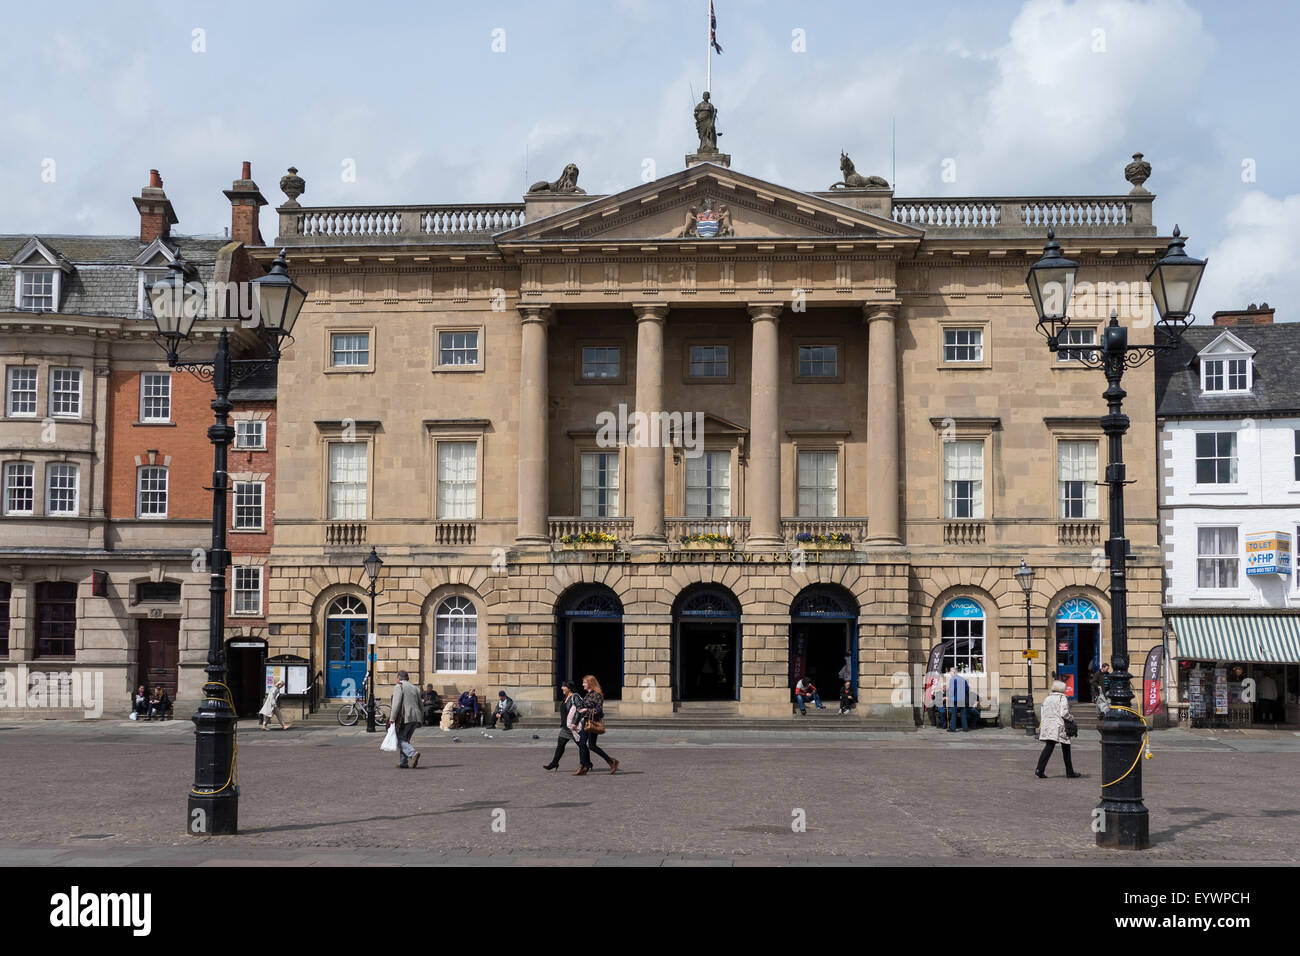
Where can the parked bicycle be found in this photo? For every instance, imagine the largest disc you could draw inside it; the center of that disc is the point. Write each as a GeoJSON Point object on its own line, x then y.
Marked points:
{"type": "Point", "coordinates": [356, 710]}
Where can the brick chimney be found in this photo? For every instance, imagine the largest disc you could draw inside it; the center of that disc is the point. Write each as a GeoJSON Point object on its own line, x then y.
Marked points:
{"type": "Point", "coordinates": [246, 201]}
{"type": "Point", "coordinates": [1251, 315]}
{"type": "Point", "coordinates": [156, 213]}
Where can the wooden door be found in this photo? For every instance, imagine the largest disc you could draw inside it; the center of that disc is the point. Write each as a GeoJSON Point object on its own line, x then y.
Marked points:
{"type": "Point", "coordinates": [159, 655]}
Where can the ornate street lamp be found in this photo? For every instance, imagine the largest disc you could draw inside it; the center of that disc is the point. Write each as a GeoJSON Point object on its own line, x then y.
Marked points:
{"type": "Point", "coordinates": [1174, 280]}
{"type": "Point", "coordinates": [1025, 578]}
{"type": "Point", "coordinates": [1051, 286]}
{"type": "Point", "coordinates": [177, 301]}
{"type": "Point", "coordinates": [372, 564]}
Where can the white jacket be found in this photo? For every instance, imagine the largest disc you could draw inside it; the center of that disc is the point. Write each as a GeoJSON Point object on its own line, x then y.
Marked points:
{"type": "Point", "coordinates": [1051, 724]}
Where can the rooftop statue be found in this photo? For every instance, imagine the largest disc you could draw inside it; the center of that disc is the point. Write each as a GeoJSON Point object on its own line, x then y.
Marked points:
{"type": "Point", "coordinates": [706, 125]}
{"type": "Point", "coordinates": [567, 183]}
{"type": "Point", "coordinates": [855, 180]}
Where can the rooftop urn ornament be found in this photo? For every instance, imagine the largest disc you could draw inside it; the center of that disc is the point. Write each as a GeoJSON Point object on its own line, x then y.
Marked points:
{"type": "Point", "coordinates": [293, 185]}
{"type": "Point", "coordinates": [706, 125]}
{"type": "Point", "coordinates": [855, 180]}
{"type": "Point", "coordinates": [567, 183]}
{"type": "Point", "coordinates": [1138, 172]}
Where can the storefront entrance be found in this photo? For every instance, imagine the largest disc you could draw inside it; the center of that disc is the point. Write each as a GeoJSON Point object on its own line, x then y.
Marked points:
{"type": "Point", "coordinates": [823, 640]}
{"type": "Point", "coordinates": [706, 645]}
{"type": "Point", "coordinates": [345, 648]}
{"type": "Point", "coordinates": [245, 675]}
{"type": "Point", "coordinates": [159, 655]}
{"type": "Point", "coordinates": [1078, 648]}
{"type": "Point", "coordinates": [591, 640]}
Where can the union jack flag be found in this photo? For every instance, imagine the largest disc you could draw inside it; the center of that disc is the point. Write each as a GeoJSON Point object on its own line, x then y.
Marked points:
{"type": "Point", "coordinates": [713, 28]}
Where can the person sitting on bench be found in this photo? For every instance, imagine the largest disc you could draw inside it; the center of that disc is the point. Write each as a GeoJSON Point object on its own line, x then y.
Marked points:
{"type": "Point", "coordinates": [467, 708]}
{"type": "Point", "coordinates": [431, 704]}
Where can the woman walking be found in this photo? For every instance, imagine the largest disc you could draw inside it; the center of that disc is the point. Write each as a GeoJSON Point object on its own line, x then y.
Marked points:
{"type": "Point", "coordinates": [1056, 711]}
{"type": "Point", "coordinates": [271, 707]}
{"type": "Point", "coordinates": [592, 708]}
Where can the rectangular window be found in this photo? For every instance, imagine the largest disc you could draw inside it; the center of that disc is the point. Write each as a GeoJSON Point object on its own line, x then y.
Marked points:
{"type": "Point", "coordinates": [22, 392]}
{"type": "Point", "coordinates": [1214, 376]}
{"type": "Point", "coordinates": [20, 488]}
{"type": "Point", "coordinates": [710, 361]}
{"type": "Point", "coordinates": [151, 499]}
{"type": "Point", "coordinates": [818, 484]}
{"type": "Point", "coordinates": [38, 291]}
{"type": "Point", "coordinates": [1237, 375]}
{"type": "Point", "coordinates": [248, 505]}
{"type": "Point", "coordinates": [250, 434]}
{"type": "Point", "coordinates": [65, 392]}
{"type": "Point", "coordinates": [600, 362]}
{"type": "Point", "coordinates": [155, 397]}
{"type": "Point", "coordinates": [457, 479]}
{"type": "Point", "coordinates": [708, 485]}
{"type": "Point", "coordinates": [1216, 557]}
{"type": "Point", "coordinates": [4, 618]}
{"type": "Point", "coordinates": [247, 596]}
{"type": "Point", "coordinates": [963, 479]}
{"type": "Point", "coordinates": [1216, 458]}
{"type": "Point", "coordinates": [347, 481]}
{"type": "Point", "coordinates": [56, 619]}
{"type": "Point", "coordinates": [1074, 337]}
{"type": "Point", "coordinates": [1077, 478]}
{"type": "Point", "coordinates": [819, 361]}
{"type": "Point", "coordinates": [599, 485]}
{"type": "Point", "coordinates": [349, 349]}
{"type": "Point", "coordinates": [963, 345]}
{"type": "Point", "coordinates": [458, 348]}
{"type": "Point", "coordinates": [61, 489]}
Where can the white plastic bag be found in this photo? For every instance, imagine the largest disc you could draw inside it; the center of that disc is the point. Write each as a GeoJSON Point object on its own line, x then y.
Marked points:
{"type": "Point", "coordinates": [390, 740]}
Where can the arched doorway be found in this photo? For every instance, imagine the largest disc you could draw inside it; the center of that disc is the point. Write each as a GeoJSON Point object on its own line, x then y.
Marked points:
{"type": "Point", "coordinates": [824, 639]}
{"type": "Point", "coordinates": [706, 644]}
{"type": "Point", "coordinates": [961, 629]}
{"type": "Point", "coordinates": [345, 647]}
{"type": "Point", "coordinates": [591, 639]}
{"type": "Point", "coordinates": [1078, 647]}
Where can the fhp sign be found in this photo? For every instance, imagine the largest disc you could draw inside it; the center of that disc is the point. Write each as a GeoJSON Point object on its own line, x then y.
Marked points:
{"type": "Point", "coordinates": [1268, 553]}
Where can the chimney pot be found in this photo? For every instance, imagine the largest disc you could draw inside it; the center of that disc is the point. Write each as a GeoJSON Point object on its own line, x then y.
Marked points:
{"type": "Point", "coordinates": [247, 172]}
{"type": "Point", "coordinates": [155, 181]}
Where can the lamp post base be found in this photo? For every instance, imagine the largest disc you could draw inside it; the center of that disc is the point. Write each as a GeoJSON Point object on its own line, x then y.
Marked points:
{"type": "Point", "coordinates": [215, 815]}
{"type": "Point", "coordinates": [1124, 826]}
{"type": "Point", "coordinates": [1121, 818]}
{"type": "Point", "coordinates": [213, 807]}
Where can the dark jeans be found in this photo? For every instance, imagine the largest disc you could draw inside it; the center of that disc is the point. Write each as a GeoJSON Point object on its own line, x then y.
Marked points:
{"type": "Point", "coordinates": [952, 718]}
{"type": "Point", "coordinates": [497, 715]}
{"type": "Point", "coordinates": [404, 748]}
{"type": "Point", "coordinates": [1048, 746]}
{"type": "Point", "coordinates": [587, 746]}
{"type": "Point", "coordinates": [816, 699]}
{"type": "Point", "coordinates": [566, 738]}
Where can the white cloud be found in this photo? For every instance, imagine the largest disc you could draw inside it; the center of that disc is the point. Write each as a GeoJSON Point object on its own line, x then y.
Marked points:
{"type": "Point", "coordinates": [1255, 260]}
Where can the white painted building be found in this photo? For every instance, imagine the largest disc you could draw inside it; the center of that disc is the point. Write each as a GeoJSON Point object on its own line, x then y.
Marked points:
{"type": "Point", "coordinates": [1228, 418]}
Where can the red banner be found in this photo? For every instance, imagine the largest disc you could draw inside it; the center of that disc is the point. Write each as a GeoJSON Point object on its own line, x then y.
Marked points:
{"type": "Point", "coordinates": [1151, 680]}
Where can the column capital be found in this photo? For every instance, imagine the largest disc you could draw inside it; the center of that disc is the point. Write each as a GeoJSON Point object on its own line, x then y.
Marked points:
{"type": "Point", "coordinates": [536, 313]}
{"type": "Point", "coordinates": [766, 311]}
{"type": "Point", "coordinates": [650, 311]}
{"type": "Point", "coordinates": [871, 311]}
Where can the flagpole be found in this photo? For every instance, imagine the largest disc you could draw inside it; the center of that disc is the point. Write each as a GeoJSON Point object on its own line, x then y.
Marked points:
{"type": "Point", "coordinates": [708, 49]}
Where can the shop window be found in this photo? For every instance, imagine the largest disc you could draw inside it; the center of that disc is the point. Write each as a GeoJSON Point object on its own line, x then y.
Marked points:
{"type": "Point", "coordinates": [961, 628]}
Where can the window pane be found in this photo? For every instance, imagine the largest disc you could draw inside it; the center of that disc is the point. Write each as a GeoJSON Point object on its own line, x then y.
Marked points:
{"type": "Point", "coordinates": [457, 479]}
{"type": "Point", "coordinates": [350, 349]}
{"type": "Point", "coordinates": [65, 391]}
{"type": "Point", "coordinates": [155, 397]}
{"type": "Point", "coordinates": [347, 481]}
{"type": "Point", "coordinates": [963, 345]}
{"type": "Point", "coordinates": [600, 362]}
{"type": "Point", "coordinates": [709, 361]}
{"type": "Point", "coordinates": [963, 479]}
{"type": "Point", "coordinates": [20, 487]}
{"type": "Point", "coordinates": [250, 434]}
{"type": "Point", "coordinates": [818, 484]}
{"type": "Point", "coordinates": [455, 636]}
{"type": "Point", "coordinates": [56, 619]}
{"type": "Point", "coordinates": [818, 361]}
{"type": "Point", "coordinates": [708, 485]}
{"type": "Point", "coordinates": [152, 498]}
{"type": "Point", "coordinates": [61, 489]}
{"type": "Point", "coordinates": [248, 504]}
{"type": "Point", "coordinates": [37, 291]}
{"type": "Point", "coordinates": [22, 391]}
{"type": "Point", "coordinates": [599, 491]}
{"type": "Point", "coordinates": [458, 348]}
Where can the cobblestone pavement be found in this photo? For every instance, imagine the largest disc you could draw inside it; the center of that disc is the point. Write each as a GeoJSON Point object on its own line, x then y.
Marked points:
{"type": "Point", "coordinates": [113, 792]}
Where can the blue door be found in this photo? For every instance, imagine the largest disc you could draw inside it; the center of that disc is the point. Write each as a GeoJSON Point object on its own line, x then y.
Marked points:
{"type": "Point", "coordinates": [1067, 657]}
{"type": "Point", "coordinates": [345, 653]}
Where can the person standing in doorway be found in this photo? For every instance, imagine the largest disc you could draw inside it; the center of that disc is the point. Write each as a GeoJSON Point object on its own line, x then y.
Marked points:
{"type": "Point", "coordinates": [958, 700]}
{"type": "Point", "coordinates": [569, 725]}
{"type": "Point", "coordinates": [1056, 711]}
{"type": "Point", "coordinates": [591, 709]}
{"type": "Point", "coordinates": [1268, 699]}
{"type": "Point", "coordinates": [405, 713]}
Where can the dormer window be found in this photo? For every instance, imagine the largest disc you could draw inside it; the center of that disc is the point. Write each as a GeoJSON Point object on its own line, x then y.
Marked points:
{"type": "Point", "coordinates": [38, 277]}
{"type": "Point", "coordinates": [1227, 365]}
{"type": "Point", "coordinates": [36, 291]}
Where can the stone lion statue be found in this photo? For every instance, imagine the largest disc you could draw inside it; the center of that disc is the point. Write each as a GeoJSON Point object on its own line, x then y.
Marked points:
{"type": "Point", "coordinates": [687, 229]}
{"type": "Point", "coordinates": [724, 221]}
{"type": "Point", "coordinates": [855, 180]}
{"type": "Point", "coordinates": [567, 183]}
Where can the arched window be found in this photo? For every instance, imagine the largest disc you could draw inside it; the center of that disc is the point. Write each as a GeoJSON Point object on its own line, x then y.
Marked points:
{"type": "Point", "coordinates": [962, 632]}
{"type": "Point", "coordinates": [455, 636]}
{"type": "Point", "coordinates": [1078, 609]}
{"type": "Point", "coordinates": [347, 606]}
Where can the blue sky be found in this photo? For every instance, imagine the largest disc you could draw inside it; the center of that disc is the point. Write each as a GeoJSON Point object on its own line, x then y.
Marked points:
{"type": "Point", "coordinates": [1016, 98]}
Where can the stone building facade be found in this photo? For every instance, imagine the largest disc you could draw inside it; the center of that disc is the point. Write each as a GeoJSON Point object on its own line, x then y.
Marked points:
{"type": "Point", "coordinates": [884, 437]}
{"type": "Point", "coordinates": [104, 457]}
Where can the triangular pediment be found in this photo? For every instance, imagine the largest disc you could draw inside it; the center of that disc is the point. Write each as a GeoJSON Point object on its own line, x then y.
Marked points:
{"type": "Point", "coordinates": [1226, 344]}
{"type": "Point", "coordinates": [38, 253]}
{"type": "Point", "coordinates": [157, 253]}
{"type": "Point", "coordinates": [669, 210]}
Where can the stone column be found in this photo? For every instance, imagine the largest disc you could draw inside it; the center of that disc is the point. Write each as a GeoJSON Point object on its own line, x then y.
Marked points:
{"type": "Point", "coordinates": [763, 482]}
{"type": "Point", "coordinates": [533, 529]}
{"type": "Point", "coordinates": [882, 424]}
{"type": "Point", "coordinates": [648, 452]}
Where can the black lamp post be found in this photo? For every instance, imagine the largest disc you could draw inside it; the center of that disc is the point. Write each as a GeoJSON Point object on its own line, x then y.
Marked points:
{"type": "Point", "coordinates": [372, 564]}
{"type": "Point", "coordinates": [176, 300]}
{"type": "Point", "coordinates": [1173, 281]}
{"type": "Point", "coordinates": [1025, 578]}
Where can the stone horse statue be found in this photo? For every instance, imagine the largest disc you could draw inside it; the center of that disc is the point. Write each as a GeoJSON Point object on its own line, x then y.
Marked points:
{"type": "Point", "coordinates": [855, 180]}
{"type": "Point", "coordinates": [567, 183]}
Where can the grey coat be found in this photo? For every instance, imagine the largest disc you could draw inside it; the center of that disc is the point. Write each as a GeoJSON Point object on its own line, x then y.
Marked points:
{"type": "Point", "coordinates": [406, 708]}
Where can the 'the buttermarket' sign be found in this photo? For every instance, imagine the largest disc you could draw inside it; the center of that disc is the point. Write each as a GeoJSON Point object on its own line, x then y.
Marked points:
{"type": "Point", "coordinates": [1268, 553]}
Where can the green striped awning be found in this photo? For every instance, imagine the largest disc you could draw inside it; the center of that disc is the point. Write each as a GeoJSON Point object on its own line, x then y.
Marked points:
{"type": "Point", "coordinates": [1262, 638]}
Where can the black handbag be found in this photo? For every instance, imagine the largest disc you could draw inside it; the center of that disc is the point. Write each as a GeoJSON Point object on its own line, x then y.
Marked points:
{"type": "Point", "coordinates": [1071, 728]}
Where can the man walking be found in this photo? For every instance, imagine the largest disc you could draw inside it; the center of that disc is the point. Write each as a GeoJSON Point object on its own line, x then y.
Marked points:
{"type": "Point", "coordinates": [958, 700]}
{"type": "Point", "coordinates": [406, 714]}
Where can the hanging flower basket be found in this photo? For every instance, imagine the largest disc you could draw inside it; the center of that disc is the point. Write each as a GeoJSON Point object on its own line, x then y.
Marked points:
{"type": "Point", "coordinates": [835, 541]}
{"type": "Point", "coordinates": [707, 542]}
{"type": "Point", "coordinates": [589, 541]}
